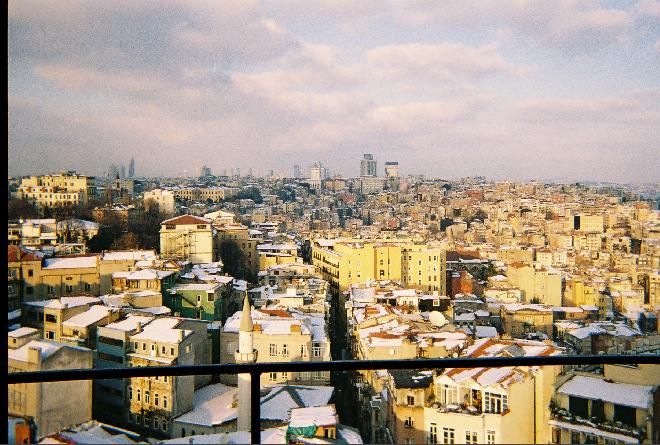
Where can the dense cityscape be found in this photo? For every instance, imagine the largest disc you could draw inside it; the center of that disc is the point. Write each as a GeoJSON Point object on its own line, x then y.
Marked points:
{"type": "Point", "coordinates": [333, 222]}
{"type": "Point", "coordinates": [124, 271]}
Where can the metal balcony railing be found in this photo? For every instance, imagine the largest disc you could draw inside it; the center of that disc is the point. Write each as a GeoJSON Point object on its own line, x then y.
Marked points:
{"type": "Point", "coordinates": [256, 369]}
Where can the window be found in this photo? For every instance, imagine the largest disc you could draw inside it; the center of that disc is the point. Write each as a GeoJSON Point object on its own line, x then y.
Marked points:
{"type": "Point", "coordinates": [316, 349]}
{"type": "Point", "coordinates": [448, 394]}
{"type": "Point", "coordinates": [50, 335]}
{"type": "Point", "coordinates": [433, 433]}
{"type": "Point", "coordinates": [318, 375]}
{"type": "Point", "coordinates": [111, 341]}
{"type": "Point", "coordinates": [153, 348]}
{"type": "Point", "coordinates": [285, 375]}
{"type": "Point", "coordinates": [144, 346]}
{"type": "Point", "coordinates": [165, 378]}
{"type": "Point", "coordinates": [625, 415]}
{"type": "Point", "coordinates": [164, 401]}
{"type": "Point", "coordinates": [410, 400]}
{"type": "Point", "coordinates": [147, 398]}
{"type": "Point", "coordinates": [201, 226]}
{"type": "Point", "coordinates": [575, 437]}
{"type": "Point", "coordinates": [69, 288]}
{"type": "Point", "coordinates": [285, 350]}
{"type": "Point", "coordinates": [471, 437]}
{"type": "Point", "coordinates": [273, 350]}
{"type": "Point", "coordinates": [408, 423]}
{"type": "Point", "coordinates": [50, 318]}
{"type": "Point", "coordinates": [162, 350]}
{"type": "Point", "coordinates": [138, 419]}
{"type": "Point", "coordinates": [448, 435]}
{"type": "Point", "coordinates": [495, 403]}
{"type": "Point", "coordinates": [303, 350]}
{"type": "Point", "coordinates": [490, 436]}
{"type": "Point", "coordinates": [171, 351]}
{"type": "Point", "coordinates": [50, 289]}
{"type": "Point", "coordinates": [163, 425]}
{"type": "Point", "coordinates": [30, 273]}
{"type": "Point", "coordinates": [210, 297]}
{"type": "Point", "coordinates": [88, 287]}
{"type": "Point", "coordinates": [170, 227]}
{"type": "Point", "coordinates": [272, 376]}
{"type": "Point", "coordinates": [138, 395]}
{"type": "Point", "coordinates": [130, 393]}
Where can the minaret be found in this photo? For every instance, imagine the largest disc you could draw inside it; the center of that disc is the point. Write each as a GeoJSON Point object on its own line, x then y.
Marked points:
{"type": "Point", "coordinates": [245, 354]}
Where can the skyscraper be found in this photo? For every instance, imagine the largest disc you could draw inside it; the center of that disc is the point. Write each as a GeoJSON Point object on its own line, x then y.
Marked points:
{"type": "Point", "coordinates": [368, 166]}
{"type": "Point", "coordinates": [131, 168]}
{"type": "Point", "coordinates": [296, 171]}
{"type": "Point", "coordinates": [392, 169]}
{"type": "Point", "coordinates": [122, 171]}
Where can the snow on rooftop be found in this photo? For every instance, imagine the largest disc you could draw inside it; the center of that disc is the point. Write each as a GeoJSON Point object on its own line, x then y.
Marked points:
{"type": "Point", "coordinates": [486, 332]}
{"type": "Point", "coordinates": [69, 301]}
{"type": "Point", "coordinates": [46, 347]}
{"type": "Point", "coordinates": [162, 330]}
{"type": "Point", "coordinates": [129, 323]}
{"type": "Point", "coordinates": [21, 332]}
{"type": "Point", "coordinates": [92, 315]}
{"type": "Point", "coordinates": [637, 396]}
{"type": "Point", "coordinates": [94, 432]}
{"type": "Point", "coordinates": [71, 262]}
{"type": "Point", "coordinates": [143, 274]}
{"type": "Point", "coordinates": [195, 286]}
{"type": "Point", "coordinates": [129, 255]}
{"type": "Point", "coordinates": [318, 415]}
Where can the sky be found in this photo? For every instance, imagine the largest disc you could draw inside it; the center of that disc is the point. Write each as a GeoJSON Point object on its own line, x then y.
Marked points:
{"type": "Point", "coordinates": [518, 89]}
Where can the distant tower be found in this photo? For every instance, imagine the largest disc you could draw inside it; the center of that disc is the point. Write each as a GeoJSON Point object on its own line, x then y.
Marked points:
{"type": "Point", "coordinates": [296, 171]}
{"type": "Point", "coordinates": [245, 354]}
{"type": "Point", "coordinates": [392, 169]}
{"type": "Point", "coordinates": [238, 172]}
{"type": "Point", "coordinates": [122, 171]}
{"type": "Point", "coordinates": [368, 166]}
{"type": "Point", "coordinates": [131, 168]}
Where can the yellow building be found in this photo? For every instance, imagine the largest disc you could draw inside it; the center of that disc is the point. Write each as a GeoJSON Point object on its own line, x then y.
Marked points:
{"type": "Point", "coordinates": [234, 241]}
{"type": "Point", "coordinates": [541, 284]}
{"type": "Point", "coordinates": [54, 406]}
{"type": "Point", "coordinates": [155, 401]}
{"type": "Point", "coordinates": [57, 190]}
{"type": "Point", "coordinates": [187, 237]}
{"type": "Point", "coordinates": [521, 319]}
{"type": "Point", "coordinates": [343, 262]}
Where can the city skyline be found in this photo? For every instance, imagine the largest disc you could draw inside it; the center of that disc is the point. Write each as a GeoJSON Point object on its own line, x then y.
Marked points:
{"type": "Point", "coordinates": [521, 90]}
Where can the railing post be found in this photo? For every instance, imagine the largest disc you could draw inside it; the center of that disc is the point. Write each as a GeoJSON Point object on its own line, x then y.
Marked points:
{"type": "Point", "coordinates": [255, 407]}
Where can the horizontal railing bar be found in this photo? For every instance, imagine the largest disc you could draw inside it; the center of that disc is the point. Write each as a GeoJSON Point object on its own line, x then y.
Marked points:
{"type": "Point", "coordinates": [334, 366]}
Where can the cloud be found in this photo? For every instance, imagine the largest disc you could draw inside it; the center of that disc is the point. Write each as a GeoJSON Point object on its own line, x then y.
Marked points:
{"type": "Point", "coordinates": [82, 78]}
{"type": "Point", "coordinates": [443, 61]}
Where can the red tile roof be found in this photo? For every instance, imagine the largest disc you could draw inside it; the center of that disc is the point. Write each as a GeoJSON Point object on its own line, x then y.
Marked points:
{"type": "Point", "coordinates": [17, 253]}
{"type": "Point", "coordinates": [186, 220]}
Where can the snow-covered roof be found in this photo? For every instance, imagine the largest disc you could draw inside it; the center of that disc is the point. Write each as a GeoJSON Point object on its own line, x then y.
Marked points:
{"type": "Point", "coordinates": [69, 301]}
{"type": "Point", "coordinates": [162, 330]}
{"type": "Point", "coordinates": [317, 415]}
{"type": "Point", "coordinates": [195, 286]}
{"type": "Point", "coordinates": [486, 332]}
{"type": "Point", "coordinates": [271, 435]}
{"type": "Point", "coordinates": [70, 262]}
{"type": "Point", "coordinates": [214, 404]}
{"type": "Point", "coordinates": [143, 274]}
{"type": "Point", "coordinates": [94, 432]}
{"type": "Point", "coordinates": [92, 315]}
{"type": "Point", "coordinates": [129, 255]}
{"type": "Point", "coordinates": [636, 396]}
{"type": "Point", "coordinates": [47, 348]}
{"type": "Point", "coordinates": [130, 323]}
{"type": "Point", "coordinates": [615, 329]}
{"type": "Point", "coordinates": [22, 332]}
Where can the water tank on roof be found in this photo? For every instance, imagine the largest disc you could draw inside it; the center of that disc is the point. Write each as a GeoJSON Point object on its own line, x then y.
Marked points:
{"type": "Point", "coordinates": [437, 319]}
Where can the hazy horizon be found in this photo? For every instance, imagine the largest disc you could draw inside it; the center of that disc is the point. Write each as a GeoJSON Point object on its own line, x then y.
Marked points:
{"type": "Point", "coordinates": [516, 90]}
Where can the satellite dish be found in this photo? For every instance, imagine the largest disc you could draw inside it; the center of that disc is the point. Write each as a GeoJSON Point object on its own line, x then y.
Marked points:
{"type": "Point", "coordinates": [437, 319]}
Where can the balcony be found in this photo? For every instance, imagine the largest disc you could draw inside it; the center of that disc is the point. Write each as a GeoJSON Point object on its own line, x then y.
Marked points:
{"type": "Point", "coordinates": [255, 370]}
{"type": "Point", "coordinates": [609, 426]}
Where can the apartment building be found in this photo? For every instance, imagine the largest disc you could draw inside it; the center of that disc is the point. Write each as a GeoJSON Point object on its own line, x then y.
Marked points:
{"type": "Point", "coordinates": [235, 241]}
{"type": "Point", "coordinates": [57, 190]}
{"type": "Point", "coordinates": [618, 406]}
{"type": "Point", "coordinates": [187, 237]}
{"type": "Point", "coordinates": [164, 199]}
{"type": "Point", "coordinates": [53, 406]}
{"type": "Point", "coordinates": [154, 401]}
{"type": "Point", "coordinates": [492, 405]}
{"type": "Point", "coordinates": [343, 262]}
{"type": "Point", "coordinates": [540, 284]}
{"type": "Point", "coordinates": [519, 320]}
{"type": "Point", "coordinates": [281, 335]}
{"type": "Point", "coordinates": [202, 301]}
{"type": "Point", "coordinates": [112, 342]}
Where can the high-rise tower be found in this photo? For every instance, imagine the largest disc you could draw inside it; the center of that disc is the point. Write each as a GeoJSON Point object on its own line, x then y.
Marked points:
{"type": "Point", "coordinates": [368, 166]}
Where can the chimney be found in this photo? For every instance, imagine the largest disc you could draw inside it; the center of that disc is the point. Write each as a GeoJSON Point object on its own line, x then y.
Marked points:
{"type": "Point", "coordinates": [34, 355]}
{"type": "Point", "coordinates": [180, 335]}
{"type": "Point", "coordinates": [138, 328]}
